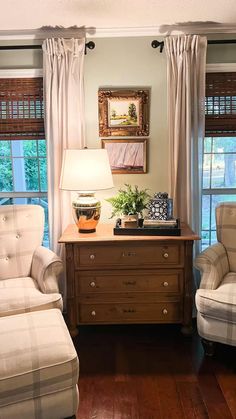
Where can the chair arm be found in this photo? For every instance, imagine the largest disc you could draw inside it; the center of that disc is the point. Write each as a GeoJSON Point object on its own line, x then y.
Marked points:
{"type": "Point", "coordinates": [46, 269]}
{"type": "Point", "coordinates": [213, 264]}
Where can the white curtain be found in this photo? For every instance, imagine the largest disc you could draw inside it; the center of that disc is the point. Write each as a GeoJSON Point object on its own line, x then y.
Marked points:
{"type": "Point", "coordinates": [63, 62]}
{"type": "Point", "coordinates": [186, 66]}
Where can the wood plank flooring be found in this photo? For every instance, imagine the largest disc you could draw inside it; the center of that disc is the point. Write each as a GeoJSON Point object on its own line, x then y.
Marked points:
{"type": "Point", "coordinates": [152, 372]}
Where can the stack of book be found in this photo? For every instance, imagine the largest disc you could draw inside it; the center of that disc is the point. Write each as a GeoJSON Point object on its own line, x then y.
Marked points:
{"type": "Point", "coordinates": [148, 223]}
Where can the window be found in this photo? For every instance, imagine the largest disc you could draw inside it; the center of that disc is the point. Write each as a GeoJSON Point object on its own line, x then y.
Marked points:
{"type": "Point", "coordinates": [23, 159]}
{"type": "Point", "coordinates": [219, 149]}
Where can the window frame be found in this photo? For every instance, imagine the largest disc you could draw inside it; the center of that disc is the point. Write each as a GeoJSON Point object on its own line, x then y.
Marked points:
{"type": "Point", "coordinates": [22, 73]}
{"type": "Point", "coordinates": [214, 68]}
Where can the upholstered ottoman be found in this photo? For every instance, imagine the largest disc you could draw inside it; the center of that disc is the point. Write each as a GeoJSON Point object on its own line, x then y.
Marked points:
{"type": "Point", "coordinates": [38, 367]}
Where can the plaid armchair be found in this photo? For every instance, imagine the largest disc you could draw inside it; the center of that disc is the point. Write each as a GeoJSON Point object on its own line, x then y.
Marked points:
{"type": "Point", "coordinates": [216, 297]}
{"type": "Point", "coordinates": [29, 273]}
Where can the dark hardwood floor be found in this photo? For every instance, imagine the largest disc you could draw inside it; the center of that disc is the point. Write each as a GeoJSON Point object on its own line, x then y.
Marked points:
{"type": "Point", "coordinates": [152, 372]}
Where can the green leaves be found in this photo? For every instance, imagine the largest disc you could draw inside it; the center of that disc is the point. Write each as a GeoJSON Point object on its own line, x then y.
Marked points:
{"type": "Point", "coordinates": [129, 201]}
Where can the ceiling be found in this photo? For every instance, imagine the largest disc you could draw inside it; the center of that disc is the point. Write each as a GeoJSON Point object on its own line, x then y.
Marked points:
{"type": "Point", "coordinates": [104, 14]}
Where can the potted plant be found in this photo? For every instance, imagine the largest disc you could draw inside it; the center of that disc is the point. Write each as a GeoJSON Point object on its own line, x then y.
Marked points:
{"type": "Point", "coordinates": [129, 203]}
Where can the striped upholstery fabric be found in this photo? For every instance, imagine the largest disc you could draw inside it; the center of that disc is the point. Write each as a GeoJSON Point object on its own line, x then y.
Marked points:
{"type": "Point", "coordinates": [21, 232]}
{"type": "Point", "coordinates": [219, 303]}
{"type": "Point", "coordinates": [40, 370]}
{"type": "Point", "coordinates": [216, 331]}
{"type": "Point", "coordinates": [21, 295]}
{"type": "Point", "coordinates": [226, 230]}
{"type": "Point", "coordinates": [216, 297]}
{"type": "Point", "coordinates": [29, 273]}
{"type": "Point", "coordinates": [213, 265]}
{"type": "Point", "coordinates": [45, 269]}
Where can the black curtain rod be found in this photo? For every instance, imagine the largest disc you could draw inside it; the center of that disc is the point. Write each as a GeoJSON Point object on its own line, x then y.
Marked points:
{"type": "Point", "coordinates": [157, 44]}
{"type": "Point", "coordinates": [89, 45]}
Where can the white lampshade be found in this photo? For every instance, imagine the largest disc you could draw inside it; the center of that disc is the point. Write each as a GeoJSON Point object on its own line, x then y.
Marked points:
{"type": "Point", "coordinates": [85, 170]}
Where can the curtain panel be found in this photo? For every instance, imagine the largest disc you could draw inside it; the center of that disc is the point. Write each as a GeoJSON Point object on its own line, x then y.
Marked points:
{"type": "Point", "coordinates": [186, 68]}
{"type": "Point", "coordinates": [63, 63]}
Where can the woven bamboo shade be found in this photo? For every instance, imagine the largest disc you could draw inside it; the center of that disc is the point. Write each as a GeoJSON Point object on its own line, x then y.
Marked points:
{"type": "Point", "coordinates": [21, 109]}
{"type": "Point", "coordinates": [220, 104]}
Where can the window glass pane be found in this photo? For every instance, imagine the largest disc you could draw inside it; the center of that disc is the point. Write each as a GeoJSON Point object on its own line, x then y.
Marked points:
{"type": "Point", "coordinates": [205, 239]}
{"type": "Point", "coordinates": [17, 148]}
{"type": "Point", "coordinates": [6, 178]}
{"type": "Point", "coordinates": [217, 174]}
{"type": "Point", "coordinates": [206, 212]}
{"type": "Point", "coordinates": [44, 203]}
{"type": "Point", "coordinates": [42, 150]}
{"type": "Point", "coordinates": [213, 237]}
{"type": "Point", "coordinates": [224, 171]}
{"type": "Point", "coordinates": [6, 201]}
{"type": "Point", "coordinates": [207, 144]}
{"type": "Point", "coordinates": [5, 149]}
{"type": "Point", "coordinates": [31, 174]}
{"type": "Point", "coordinates": [43, 174]}
{"type": "Point", "coordinates": [224, 145]}
{"type": "Point", "coordinates": [30, 148]}
{"type": "Point", "coordinates": [206, 171]}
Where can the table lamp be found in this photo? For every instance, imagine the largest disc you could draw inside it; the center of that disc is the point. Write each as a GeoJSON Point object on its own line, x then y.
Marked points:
{"type": "Point", "coordinates": [86, 171]}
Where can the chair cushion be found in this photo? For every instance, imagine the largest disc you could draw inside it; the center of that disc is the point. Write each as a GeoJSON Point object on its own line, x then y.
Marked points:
{"type": "Point", "coordinates": [226, 230]}
{"type": "Point", "coordinates": [21, 229]}
{"type": "Point", "coordinates": [219, 303]}
{"type": "Point", "coordinates": [21, 295]}
{"type": "Point", "coordinates": [37, 358]}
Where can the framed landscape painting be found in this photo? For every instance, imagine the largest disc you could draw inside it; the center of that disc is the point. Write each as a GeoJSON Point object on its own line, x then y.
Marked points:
{"type": "Point", "coordinates": [123, 112]}
{"type": "Point", "coordinates": [127, 156]}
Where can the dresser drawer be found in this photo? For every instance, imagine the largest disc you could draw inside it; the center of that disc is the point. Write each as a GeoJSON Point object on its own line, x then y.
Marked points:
{"type": "Point", "coordinates": [128, 255]}
{"type": "Point", "coordinates": [165, 312]}
{"type": "Point", "coordinates": [161, 281]}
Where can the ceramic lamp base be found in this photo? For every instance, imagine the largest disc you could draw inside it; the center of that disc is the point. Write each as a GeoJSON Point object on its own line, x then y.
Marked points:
{"type": "Point", "coordinates": [86, 212]}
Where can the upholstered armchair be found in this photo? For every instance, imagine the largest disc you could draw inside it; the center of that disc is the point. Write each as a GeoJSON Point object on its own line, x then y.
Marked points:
{"type": "Point", "coordinates": [29, 273]}
{"type": "Point", "coordinates": [216, 297]}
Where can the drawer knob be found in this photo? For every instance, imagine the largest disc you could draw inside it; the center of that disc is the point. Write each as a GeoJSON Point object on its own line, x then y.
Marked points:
{"type": "Point", "coordinates": [92, 257]}
{"type": "Point", "coordinates": [92, 284]}
{"type": "Point", "coordinates": [93, 313]}
{"type": "Point", "coordinates": [165, 284]}
{"type": "Point", "coordinates": [165, 255]}
{"type": "Point", "coordinates": [164, 311]}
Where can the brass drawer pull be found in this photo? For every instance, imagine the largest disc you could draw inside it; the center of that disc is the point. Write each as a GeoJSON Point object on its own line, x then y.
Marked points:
{"type": "Point", "coordinates": [92, 257]}
{"type": "Point", "coordinates": [93, 313]}
{"type": "Point", "coordinates": [129, 310]}
{"type": "Point", "coordinates": [165, 255]}
{"type": "Point", "coordinates": [164, 311]}
{"type": "Point", "coordinates": [128, 254]}
{"type": "Point", "coordinates": [129, 282]}
{"type": "Point", "coordinates": [165, 284]}
{"type": "Point", "coordinates": [92, 284]}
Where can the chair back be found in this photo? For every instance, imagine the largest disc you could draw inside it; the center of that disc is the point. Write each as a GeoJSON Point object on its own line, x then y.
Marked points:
{"type": "Point", "coordinates": [226, 230]}
{"type": "Point", "coordinates": [21, 232]}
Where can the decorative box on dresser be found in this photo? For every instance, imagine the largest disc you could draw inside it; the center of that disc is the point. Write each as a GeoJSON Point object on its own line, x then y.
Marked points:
{"type": "Point", "coordinates": [114, 279]}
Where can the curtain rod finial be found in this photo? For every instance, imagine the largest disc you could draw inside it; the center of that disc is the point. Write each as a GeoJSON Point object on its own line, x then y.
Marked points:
{"type": "Point", "coordinates": [156, 44]}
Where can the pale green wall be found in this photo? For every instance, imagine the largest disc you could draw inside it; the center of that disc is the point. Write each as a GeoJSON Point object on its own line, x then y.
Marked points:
{"type": "Point", "coordinates": [130, 63]}
{"type": "Point", "coordinates": [126, 62]}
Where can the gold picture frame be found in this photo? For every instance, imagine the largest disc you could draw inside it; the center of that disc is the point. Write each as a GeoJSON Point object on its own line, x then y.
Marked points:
{"type": "Point", "coordinates": [126, 155]}
{"type": "Point", "coordinates": [123, 112]}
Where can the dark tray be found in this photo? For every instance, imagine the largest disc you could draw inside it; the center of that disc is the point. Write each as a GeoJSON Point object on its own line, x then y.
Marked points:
{"type": "Point", "coordinates": [148, 231]}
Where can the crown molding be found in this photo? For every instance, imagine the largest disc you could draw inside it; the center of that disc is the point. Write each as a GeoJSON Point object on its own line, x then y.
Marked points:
{"type": "Point", "coordinates": [201, 28]}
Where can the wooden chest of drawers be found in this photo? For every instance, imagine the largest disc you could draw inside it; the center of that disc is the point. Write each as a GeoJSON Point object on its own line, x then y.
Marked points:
{"type": "Point", "coordinates": [128, 279]}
